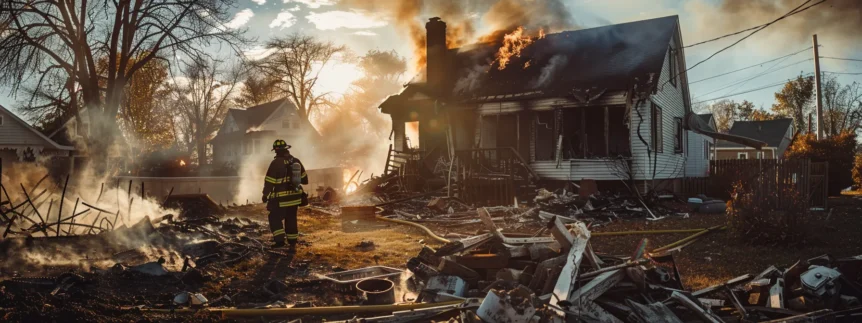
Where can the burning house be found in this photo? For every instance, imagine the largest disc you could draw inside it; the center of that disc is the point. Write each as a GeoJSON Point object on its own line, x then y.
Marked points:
{"type": "Point", "coordinates": [605, 104]}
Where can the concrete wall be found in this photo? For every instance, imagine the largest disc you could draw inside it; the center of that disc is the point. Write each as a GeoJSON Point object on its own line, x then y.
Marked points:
{"type": "Point", "coordinates": [223, 189]}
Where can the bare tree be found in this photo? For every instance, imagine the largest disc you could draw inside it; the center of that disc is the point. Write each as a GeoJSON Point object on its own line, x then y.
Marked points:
{"type": "Point", "coordinates": [202, 95]}
{"type": "Point", "coordinates": [296, 63]}
{"type": "Point", "coordinates": [257, 89]}
{"type": "Point", "coordinates": [64, 39]}
{"type": "Point", "coordinates": [724, 112]}
{"type": "Point", "coordinates": [842, 107]}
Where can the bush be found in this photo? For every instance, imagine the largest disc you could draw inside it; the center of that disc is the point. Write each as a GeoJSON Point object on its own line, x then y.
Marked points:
{"type": "Point", "coordinates": [758, 217]}
{"type": "Point", "coordinates": [839, 151]}
{"type": "Point", "coordinates": [857, 170]}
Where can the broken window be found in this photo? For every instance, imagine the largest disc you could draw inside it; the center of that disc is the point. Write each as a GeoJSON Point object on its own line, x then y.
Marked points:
{"type": "Point", "coordinates": [595, 132]}
{"type": "Point", "coordinates": [411, 131]}
{"type": "Point", "coordinates": [678, 135]}
{"type": "Point", "coordinates": [657, 128]}
{"type": "Point", "coordinates": [545, 142]}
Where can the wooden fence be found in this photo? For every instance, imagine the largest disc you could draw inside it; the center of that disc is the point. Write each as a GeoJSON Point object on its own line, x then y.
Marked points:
{"type": "Point", "coordinates": [775, 176]}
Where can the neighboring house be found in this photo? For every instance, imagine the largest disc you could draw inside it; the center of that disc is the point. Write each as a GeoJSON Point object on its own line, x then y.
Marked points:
{"type": "Point", "coordinates": [701, 149]}
{"type": "Point", "coordinates": [777, 134]}
{"type": "Point", "coordinates": [20, 142]}
{"type": "Point", "coordinates": [574, 104]}
{"type": "Point", "coordinates": [250, 132]}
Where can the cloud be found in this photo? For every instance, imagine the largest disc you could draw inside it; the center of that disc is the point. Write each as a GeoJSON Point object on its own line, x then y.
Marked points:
{"type": "Point", "coordinates": [284, 19]}
{"type": "Point", "coordinates": [344, 19]}
{"type": "Point", "coordinates": [294, 9]}
{"type": "Point", "coordinates": [240, 19]}
{"type": "Point", "coordinates": [314, 4]}
{"type": "Point", "coordinates": [365, 33]}
{"type": "Point", "coordinates": [260, 2]}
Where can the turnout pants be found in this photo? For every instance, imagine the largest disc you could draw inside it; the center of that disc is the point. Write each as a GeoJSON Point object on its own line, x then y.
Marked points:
{"type": "Point", "coordinates": [282, 223]}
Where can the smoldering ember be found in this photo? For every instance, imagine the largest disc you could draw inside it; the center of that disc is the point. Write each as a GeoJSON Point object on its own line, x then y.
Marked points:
{"type": "Point", "coordinates": [430, 161]}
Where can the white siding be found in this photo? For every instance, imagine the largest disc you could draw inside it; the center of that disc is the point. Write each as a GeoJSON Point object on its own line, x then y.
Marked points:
{"type": "Point", "coordinates": [697, 158]}
{"type": "Point", "coordinates": [14, 133]}
{"type": "Point", "coordinates": [670, 99]}
{"type": "Point", "coordinates": [579, 169]}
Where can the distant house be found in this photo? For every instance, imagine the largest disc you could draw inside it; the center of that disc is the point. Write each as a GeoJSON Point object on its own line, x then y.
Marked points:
{"type": "Point", "coordinates": [20, 142]}
{"type": "Point", "coordinates": [700, 149]}
{"type": "Point", "coordinates": [250, 132]}
{"type": "Point", "coordinates": [777, 134]}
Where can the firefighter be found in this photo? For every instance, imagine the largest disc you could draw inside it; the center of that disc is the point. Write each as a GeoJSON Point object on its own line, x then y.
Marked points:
{"type": "Point", "coordinates": [283, 195]}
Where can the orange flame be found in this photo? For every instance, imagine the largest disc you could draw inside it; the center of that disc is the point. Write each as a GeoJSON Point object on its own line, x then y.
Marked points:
{"type": "Point", "coordinates": [350, 182]}
{"type": "Point", "coordinates": [182, 162]}
{"type": "Point", "coordinates": [513, 44]}
{"type": "Point", "coordinates": [541, 33]}
{"type": "Point", "coordinates": [527, 64]}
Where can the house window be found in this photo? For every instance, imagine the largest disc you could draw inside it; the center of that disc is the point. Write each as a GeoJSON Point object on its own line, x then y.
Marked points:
{"type": "Point", "coordinates": [1, 120]}
{"type": "Point", "coordinates": [706, 149]}
{"type": "Point", "coordinates": [678, 135]}
{"type": "Point", "coordinates": [671, 54]}
{"type": "Point", "coordinates": [760, 155]}
{"type": "Point", "coordinates": [741, 155]}
{"type": "Point", "coordinates": [289, 121]}
{"type": "Point", "coordinates": [657, 129]}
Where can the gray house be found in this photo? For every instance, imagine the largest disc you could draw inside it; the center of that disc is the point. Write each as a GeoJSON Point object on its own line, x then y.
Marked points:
{"type": "Point", "coordinates": [777, 134]}
{"type": "Point", "coordinates": [20, 142]}
{"type": "Point", "coordinates": [603, 103]}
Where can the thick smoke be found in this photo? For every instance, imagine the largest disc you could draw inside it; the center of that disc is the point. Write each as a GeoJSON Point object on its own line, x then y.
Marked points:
{"type": "Point", "coordinates": [463, 17]}
{"type": "Point", "coordinates": [837, 22]}
{"type": "Point", "coordinates": [549, 71]}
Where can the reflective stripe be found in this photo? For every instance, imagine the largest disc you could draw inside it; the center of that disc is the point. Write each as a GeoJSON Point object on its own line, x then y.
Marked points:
{"type": "Point", "coordinates": [292, 236]}
{"type": "Point", "coordinates": [304, 175]}
{"type": "Point", "coordinates": [290, 203]}
{"type": "Point", "coordinates": [278, 232]}
{"type": "Point", "coordinates": [274, 180]}
{"type": "Point", "coordinates": [287, 193]}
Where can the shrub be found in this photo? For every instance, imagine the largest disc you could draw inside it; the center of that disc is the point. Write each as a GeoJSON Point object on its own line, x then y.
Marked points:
{"type": "Point", "coordinates": [838, 150]}
{"type": "Point", "coordinates": [766, 216]}
{"type": "Point", "coordinates": [857, 170]}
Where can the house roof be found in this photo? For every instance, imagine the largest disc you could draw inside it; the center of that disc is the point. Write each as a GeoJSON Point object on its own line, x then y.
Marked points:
{"type": "Point", "coordinates": [255, 116]}
{"type": "Point", "coordinates": [772, 132]}
{"type": "Point", "coordinates": [706, 117]}
{"type": "Point", "coordinates": [26, 125]}
{"type": "Point", "coordinates": [607, 57]}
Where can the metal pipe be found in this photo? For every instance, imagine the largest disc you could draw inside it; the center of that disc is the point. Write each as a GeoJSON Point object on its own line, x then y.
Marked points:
{"type": "Point", "coordinates": [326, 310]}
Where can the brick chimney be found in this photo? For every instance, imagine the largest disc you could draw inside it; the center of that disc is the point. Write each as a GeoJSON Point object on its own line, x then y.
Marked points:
{"type": "Point", "coordinates": [435, 53]}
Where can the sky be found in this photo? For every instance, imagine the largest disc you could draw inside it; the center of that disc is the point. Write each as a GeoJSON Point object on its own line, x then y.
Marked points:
{"type": "Point", "coordinates": [364, 30]}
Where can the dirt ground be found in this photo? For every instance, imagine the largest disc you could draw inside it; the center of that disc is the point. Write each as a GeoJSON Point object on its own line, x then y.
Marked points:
{"type": "Point", "coordinates": [266, 278]}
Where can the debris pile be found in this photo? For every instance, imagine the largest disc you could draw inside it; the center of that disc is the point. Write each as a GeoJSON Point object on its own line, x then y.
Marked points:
{"type": "Point", "coordinates": [558, 277]}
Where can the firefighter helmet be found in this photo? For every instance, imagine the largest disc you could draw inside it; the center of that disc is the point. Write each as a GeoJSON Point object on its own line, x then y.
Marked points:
{"type": "Point", "coordinates": [280, 145]}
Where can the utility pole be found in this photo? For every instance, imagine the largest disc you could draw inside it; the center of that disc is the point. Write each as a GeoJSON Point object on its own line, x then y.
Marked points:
{"type": "Point", "coordinates": [817, 86]}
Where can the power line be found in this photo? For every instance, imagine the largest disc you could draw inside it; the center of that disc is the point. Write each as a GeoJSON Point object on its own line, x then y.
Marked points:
{"type": "Point", "coordinates": [771, 70]}
{"type": "Point", "coordinates": [753, 90]}
{"type": "Point", "coordinates": [843, 73]}
{"type": "Point", "coordinates": [792, 12]}
{"type": "Point", "coordinates": [744, 30]}
{"type": "Point", "coordinates": [842, 59]}
{"type": "Point", "coordinates": [747, 67]}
